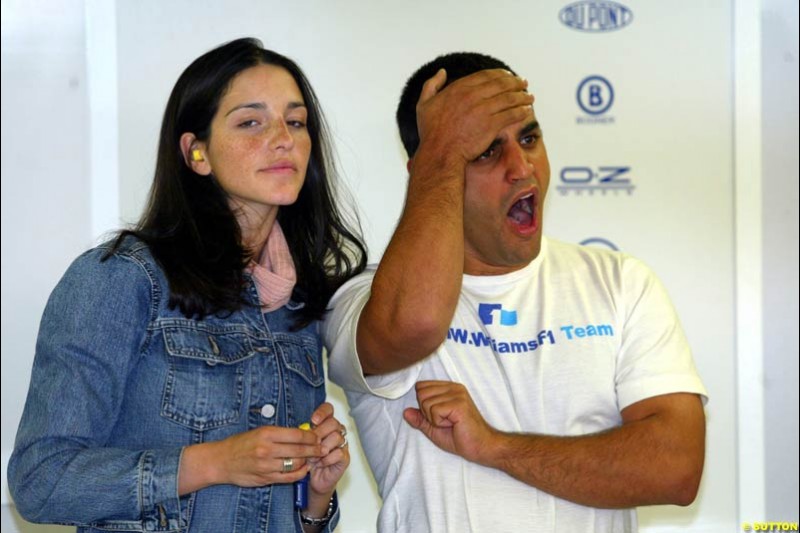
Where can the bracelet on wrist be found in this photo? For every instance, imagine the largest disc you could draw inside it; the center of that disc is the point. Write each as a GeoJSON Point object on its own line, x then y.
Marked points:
{"type": "Point", "coordinates": [318, 521]}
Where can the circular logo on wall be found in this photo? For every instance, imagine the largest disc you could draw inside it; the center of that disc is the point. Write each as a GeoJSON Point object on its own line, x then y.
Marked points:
{"type": "Point", "coordinates": [595, 95]}
{"type": "Point", "coordinates": [601, 242]}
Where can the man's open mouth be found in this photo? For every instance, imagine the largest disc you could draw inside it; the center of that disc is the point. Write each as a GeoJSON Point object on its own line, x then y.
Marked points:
{"type": "Point", "coordinates": [523, 211]}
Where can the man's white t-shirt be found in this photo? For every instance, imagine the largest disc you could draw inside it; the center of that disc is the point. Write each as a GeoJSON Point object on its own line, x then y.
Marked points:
{"type": "Point", "coordinates": [559, 347]}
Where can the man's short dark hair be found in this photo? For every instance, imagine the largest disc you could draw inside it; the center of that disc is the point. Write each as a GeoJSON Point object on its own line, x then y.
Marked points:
{"type": "Point", "coordinates": [457, 65]}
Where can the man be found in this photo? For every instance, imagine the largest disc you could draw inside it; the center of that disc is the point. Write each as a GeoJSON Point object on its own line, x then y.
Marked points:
{"type": "Point", "coordinates": [502, 381]}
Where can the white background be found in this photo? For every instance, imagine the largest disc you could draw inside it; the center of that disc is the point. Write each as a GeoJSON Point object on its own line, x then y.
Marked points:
{"type": "Point", "coordinates": [84, 85]}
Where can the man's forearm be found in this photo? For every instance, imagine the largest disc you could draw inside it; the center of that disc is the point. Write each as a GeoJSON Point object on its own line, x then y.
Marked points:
{"type": "Point", "coordinates": [655, 460]}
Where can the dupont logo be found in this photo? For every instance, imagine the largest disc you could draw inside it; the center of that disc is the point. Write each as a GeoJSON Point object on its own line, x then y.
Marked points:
{"type": "Point", "coordinates": [595, 17]}
{"type": "Point", "coordinates": [486, 313]}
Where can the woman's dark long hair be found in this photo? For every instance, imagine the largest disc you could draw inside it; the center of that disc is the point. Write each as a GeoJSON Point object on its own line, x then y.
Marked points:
{"type": "Point", "coordinates": [189, 226]}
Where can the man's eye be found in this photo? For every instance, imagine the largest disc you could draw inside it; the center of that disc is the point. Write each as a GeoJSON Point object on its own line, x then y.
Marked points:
{"type": "Point", "coordinates": [528, 139]}
{"type": "Point", "coordinates": [487, 154]}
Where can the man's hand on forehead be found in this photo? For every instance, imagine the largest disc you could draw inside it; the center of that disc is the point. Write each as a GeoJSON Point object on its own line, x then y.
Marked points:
{"type": "Point", "coordinates": [458, 122]}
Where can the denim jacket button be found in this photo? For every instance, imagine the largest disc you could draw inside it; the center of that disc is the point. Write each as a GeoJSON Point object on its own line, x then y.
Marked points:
{"type": "Point", "coordinates": [268, 411]}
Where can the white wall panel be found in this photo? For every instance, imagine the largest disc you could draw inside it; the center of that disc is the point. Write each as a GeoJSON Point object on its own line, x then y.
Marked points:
{"type": "Point", "coordinates": [46, 213]}
{"type": "Point", "coordinates": [781, 161]}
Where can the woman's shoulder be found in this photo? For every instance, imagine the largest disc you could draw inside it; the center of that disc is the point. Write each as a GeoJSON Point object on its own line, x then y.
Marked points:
{"type": "Point", "coordinates": [123, 244]}
{"type": "Point", "coordinates": [126, 258]}
{"type": "Point", "coordinates": [105, 278]}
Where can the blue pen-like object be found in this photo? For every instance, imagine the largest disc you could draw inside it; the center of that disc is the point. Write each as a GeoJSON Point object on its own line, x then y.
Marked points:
{"type": "Point", "coordinates": [301, 487]}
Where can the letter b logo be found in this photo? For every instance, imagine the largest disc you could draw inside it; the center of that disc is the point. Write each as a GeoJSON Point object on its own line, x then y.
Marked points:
{"type": "Point", "coordinates": [595, 95]}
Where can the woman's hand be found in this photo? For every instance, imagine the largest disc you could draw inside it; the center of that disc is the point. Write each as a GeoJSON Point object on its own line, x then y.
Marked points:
{"type": "Point", "coordinates": [335, 458]}
{"type": "Point", "coordinates": [251, 459]}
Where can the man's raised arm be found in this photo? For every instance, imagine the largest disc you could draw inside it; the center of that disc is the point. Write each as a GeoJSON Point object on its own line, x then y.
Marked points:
{"type": "Point", "coordinates": [417, 284]}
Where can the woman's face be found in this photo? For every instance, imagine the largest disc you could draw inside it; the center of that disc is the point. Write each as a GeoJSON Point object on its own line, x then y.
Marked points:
{"type": "Point", "coordinates": [259, 144]}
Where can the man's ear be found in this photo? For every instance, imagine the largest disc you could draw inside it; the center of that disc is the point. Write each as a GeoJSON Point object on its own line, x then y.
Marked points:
{"type": "Point", "coordinates": [408, 165]}
{"type": "Point", "coordinates": [194, 154]}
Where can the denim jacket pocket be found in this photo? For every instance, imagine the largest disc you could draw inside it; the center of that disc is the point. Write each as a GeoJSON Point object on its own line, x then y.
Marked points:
{"type": "Point", "coordinates": [304, 375]}
{"type": "Point", "coordinates": [205, 380]}
{"type": "Point", "coordinates": [301, 356]}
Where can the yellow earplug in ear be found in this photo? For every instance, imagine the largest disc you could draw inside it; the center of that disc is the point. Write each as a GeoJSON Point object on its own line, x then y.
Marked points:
{"type": "Point", "coordinates": [197, 156]}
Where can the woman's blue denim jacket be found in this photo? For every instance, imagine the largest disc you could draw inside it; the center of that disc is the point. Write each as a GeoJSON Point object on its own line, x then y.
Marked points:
{"type": "Point", "coordinates": [121, 383]}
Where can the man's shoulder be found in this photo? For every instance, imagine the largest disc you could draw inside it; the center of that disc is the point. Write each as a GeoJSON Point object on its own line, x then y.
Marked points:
{"type": "Point", "coordinates": [556, 249]}
{"type": "Point", "coordinates": [597, 255]}
{"type": "Point", "coordinates": [576, 263]}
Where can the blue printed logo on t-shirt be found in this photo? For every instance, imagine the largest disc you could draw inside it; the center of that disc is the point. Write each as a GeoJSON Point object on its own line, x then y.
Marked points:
{"type": "Point", "coordinates": [507, 317]}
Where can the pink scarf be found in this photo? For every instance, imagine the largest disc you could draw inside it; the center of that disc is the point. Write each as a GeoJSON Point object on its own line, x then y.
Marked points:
{"type": "Point", "coordinates": [274, 272]}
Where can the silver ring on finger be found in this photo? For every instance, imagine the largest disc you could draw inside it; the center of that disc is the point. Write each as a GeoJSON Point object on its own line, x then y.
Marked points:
{"type": "Point", "coordinates": [343, 444]}
{"type": "Point", "coordinates": [288, 464]}
{"type": "Point", "coordinates": [343, 431]}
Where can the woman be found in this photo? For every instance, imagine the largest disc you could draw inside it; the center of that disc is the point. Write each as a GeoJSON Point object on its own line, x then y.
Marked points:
{"type": "Point", "coordinates": [175, 364]}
